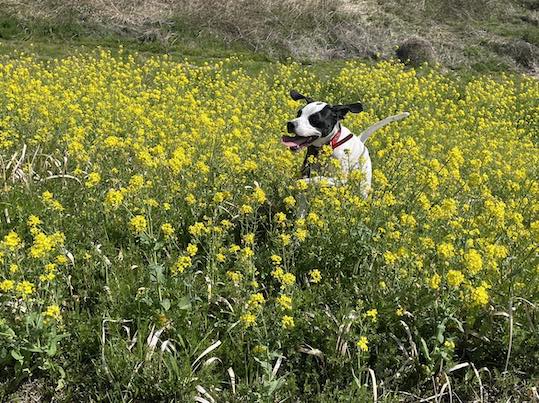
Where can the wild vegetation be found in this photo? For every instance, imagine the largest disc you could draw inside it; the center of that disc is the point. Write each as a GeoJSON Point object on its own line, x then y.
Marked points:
{"type": "Point", "coordinates": [151, 247]}
{"type": "Point", "coordinates": [483, 35]}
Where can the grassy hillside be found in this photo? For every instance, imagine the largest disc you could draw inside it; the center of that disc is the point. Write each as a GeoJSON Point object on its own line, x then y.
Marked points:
{"type": "Point", "coordinates": [483, 34]}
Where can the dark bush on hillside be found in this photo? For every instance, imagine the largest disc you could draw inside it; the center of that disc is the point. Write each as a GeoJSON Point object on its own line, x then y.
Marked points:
{"type": "Point", "coordinates": [523, 53]}
{"type": "Point", "coordinates": [416, 51]}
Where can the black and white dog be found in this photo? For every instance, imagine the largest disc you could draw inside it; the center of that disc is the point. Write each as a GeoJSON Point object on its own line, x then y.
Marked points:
{"type": "Point", "coordinates": [318, 124]}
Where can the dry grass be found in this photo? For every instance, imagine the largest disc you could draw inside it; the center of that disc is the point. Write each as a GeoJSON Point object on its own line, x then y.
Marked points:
{"type": "Point", "coordinates": [123, 13]}
{"type": "Point", "coordinates": [143, 19]}
{"type": "Point", "coordinates": [309, 29]}
{"type": "Point", "coordinates": [313, 29]}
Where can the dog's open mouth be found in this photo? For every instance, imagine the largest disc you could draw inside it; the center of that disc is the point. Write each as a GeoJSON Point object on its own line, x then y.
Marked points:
{"type": "Point", "coordinates": [296, 143]}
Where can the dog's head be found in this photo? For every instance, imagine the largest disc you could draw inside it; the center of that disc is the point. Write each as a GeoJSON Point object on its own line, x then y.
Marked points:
{"type": "Point", "coordinates": [315, 122]}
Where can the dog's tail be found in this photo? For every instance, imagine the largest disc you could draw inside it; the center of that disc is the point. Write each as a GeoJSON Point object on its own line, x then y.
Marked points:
{"type": "Point", "coordinates": [364, 136]}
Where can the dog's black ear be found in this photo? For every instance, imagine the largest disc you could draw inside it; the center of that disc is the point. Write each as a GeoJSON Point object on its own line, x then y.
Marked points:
{"type": "Point", "coordinates": [296, 96]}
{"type": "Point", "coordinates": [342, 110]}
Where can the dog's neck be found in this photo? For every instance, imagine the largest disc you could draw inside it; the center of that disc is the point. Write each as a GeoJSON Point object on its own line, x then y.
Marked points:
{"type": "Point", "coordinates": [337, 129]}
{"type": "Point", "coordinates": [314, 149]}
{"type": "Point", "coordinates": [327, 139]}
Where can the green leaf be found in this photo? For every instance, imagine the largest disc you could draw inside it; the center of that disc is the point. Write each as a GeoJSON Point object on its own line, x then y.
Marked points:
{"type": "Point", "coordinates": [165, 304]}
{"type": "Point", "coordinates": [440, 333]}
{"type": "Point", "coordinates": [36, 349]}
{"type": "Point", "coordinates": [273, 385]}
{"type": "Point", "coordinates": [458, 323]}
{"type": "Point", "coordinates": [60, 385]}
{"type": "Point", "coordinates": [157, 273]}
{"type": "Point", "coordinates": [145, 239]}
{"type": "Point", "coordinates": [184, 303]}
{"type": "Point", "coordinates": [17, 356]}
{"type": "Point", "coordinates": [158, 246]}
{"type": "Point", "coordinates": [51, 351]}
{"type": "Point", "coordinates": [264, 364]}
{"type": "Point", "coordinates": [425, 349]}
{"type": "Point", "coordinates": [8, 333]}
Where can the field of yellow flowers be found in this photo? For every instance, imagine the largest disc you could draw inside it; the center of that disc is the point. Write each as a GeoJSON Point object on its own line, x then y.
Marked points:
{"type": "Point", "coordinates": [151, 246]}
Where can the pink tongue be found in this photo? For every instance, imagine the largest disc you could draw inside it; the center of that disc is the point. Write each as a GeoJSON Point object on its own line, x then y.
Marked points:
{"type": "Point", "coordinates": [295, 143]}
{"type": "Point", "coordinates": [290, 144]}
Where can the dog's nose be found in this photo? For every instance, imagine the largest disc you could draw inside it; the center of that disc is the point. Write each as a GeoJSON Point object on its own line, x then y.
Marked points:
{"type": "Point", "coordinates": [290, 127]}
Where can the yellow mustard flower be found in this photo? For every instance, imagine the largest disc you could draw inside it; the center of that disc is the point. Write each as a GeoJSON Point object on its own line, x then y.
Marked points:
{"type": "Point", "coordinates": [280, 217]}
{"type": "Point", "coordinates": [139, 224]}
{"type": "Point", "coordinates": [197, 229]}
{"type": "Point", "coordinates": [449, 344]}
{"type": "Point", "coordinates": [455, 278]}
{"type": "Point", "coordinates": [53, 313]}
{"type": "Point", "coordinates": [25, 288]}
{"type": "Point", "coordinates": [61, 259]}
{"type": "Point", "coordinates": [182, 263]}
{"type": "Point", "coordinates": [288, 279]}
{"type": "Point", "coordinates": [234, 276]}
{"type": "Point", "coordinates": [276, 259]}
{"type": "Point", "coordinates": [473, 261]}
{"type": "Point", "coordinates": [256, 300]}
{"type": "Point", "coordinates": [363, 344]}
{"type": "Point", "coordinates": [191, 249]}
{"type": "Point", "coordinates": [249, 238]}
{"type": "Point", "coordinates": [93, 179]}
{"type": "Point", "coordinates": [373, 314]}
{"type": "Point", "coordinates": [259, 195]}
{"type": "Point", "coordinates": [12, 241]}
{"type": "Point", "coordinates": [289, 201]}
{"type": "Point", "coordinates": [287, 322]}
{"type": "Point", "coordinates": [248, 319]}
{"type": "Point", "coordinates": [315, 276]}
{"type": "Point", "coordinates": [6, 285]}
{"type": "Point", "coordinates": [33, 221]}
{"type": "Point", "coordinates": [285, 302]}
{"type": "Point", "coordinates": [113, 199]}
{"type": "Point", "coordinates": [167, 229]}
{"type": "Point", "coordinates": [220, 257]}
{"type": "Point", "coordinates": [435, 281]}
{"type": "Point", "coordinates": [479, 295]}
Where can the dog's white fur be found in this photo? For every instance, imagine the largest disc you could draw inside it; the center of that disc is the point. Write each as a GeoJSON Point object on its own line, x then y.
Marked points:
{"type": "Point", "coordinates": [352, 154]}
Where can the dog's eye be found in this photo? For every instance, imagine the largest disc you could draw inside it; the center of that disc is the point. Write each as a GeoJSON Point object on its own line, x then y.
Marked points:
{"type": "Point", "coordinates": [314, 120]}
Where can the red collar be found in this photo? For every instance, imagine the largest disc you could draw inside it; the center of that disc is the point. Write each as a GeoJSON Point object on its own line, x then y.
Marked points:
{"type": "Point", "coordinates": [334, 142]}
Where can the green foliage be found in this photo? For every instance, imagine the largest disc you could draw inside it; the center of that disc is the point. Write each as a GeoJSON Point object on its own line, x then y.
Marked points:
{"type": "Point", "coordinates": [161, 252]}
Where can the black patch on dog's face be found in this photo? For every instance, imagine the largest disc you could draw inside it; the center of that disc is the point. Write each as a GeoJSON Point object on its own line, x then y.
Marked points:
{"type": "Point", "coordinates": [324, 120]}
{"type": "Point", "coordinates": [315, 121]}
